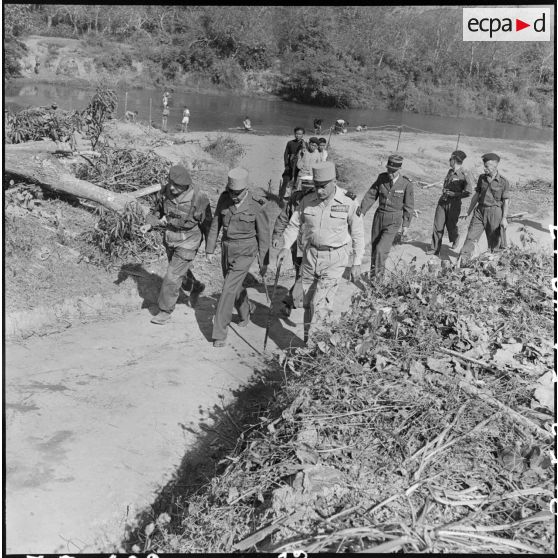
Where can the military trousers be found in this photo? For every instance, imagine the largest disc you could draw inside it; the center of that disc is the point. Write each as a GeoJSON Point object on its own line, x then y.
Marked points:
{"type": "Point", "coordinates": [178, 274]}
{"type": "Point", "coordinates": [321, 271]}
{"type": "Point", "coordinates": [485, 219]}
{"type": "Point", "coordinates": [385, 226]}
{"type": "Point", "coordinates": [236, 258]}
{"type": "Point", "coordinates": [445, 217]}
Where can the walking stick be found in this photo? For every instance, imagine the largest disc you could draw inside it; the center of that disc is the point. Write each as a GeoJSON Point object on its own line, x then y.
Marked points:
{"type": "Point", "coordinates": [271, 304]}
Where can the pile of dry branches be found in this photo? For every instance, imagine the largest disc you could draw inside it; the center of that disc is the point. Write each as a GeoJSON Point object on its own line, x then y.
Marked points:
{"type": "Point", "coordinates": [125, 170]}
{"type": "Point", "coordinates": [418, 422]}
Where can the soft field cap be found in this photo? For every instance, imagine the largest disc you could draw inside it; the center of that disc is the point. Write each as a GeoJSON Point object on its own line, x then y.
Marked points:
{"type": "Point", "coordinates": [323, 172]}
{"type": "Point", "coordinates": [238, 179]}
{"type": "Point", "coordinates": [180, 176]}
{"type": "Point", "coordinates": [490, 157]}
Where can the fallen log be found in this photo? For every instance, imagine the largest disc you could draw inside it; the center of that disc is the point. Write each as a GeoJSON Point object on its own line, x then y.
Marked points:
{"type": "Point", "coordinates": [46, 170]}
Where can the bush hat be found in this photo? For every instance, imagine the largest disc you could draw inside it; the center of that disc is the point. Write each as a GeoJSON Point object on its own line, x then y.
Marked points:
{"type": "Point", "coordinates": [180, 176]}
{"type": "Point", "coordinates": [323, 172]}
{"type": "Point", "coordinates": [237, 179]}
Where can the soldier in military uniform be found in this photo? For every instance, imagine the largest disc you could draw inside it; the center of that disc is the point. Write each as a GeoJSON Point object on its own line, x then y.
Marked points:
{"type": "Point", "coordinates": [330, 230]}
{"type": "Point", "coordinates": [246, 233]}
{"type": "Point", "coordinates": [294, 297]}
{"type": "Point", "coordinates": [396, 197]}
{"type": "Point", "coordinates": [457, 185]}
{"type": "Point", "coordinates": [490, 203]}
{"type": "Point", "coordinates": [185, 211]}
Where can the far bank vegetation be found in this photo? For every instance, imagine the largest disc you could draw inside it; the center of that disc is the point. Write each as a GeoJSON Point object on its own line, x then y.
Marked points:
{"type": "Point", "coordinates": [399, 58]}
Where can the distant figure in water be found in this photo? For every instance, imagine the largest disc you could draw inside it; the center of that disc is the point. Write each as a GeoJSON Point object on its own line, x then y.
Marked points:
{"type": "Point", "coordinates": [318, 125]}
{"type": "Point", "coordinates": [341, 126]}
{"type": "Point", "coordinates": [361, 127]}
{"type": "Point", "coordinates": [185, 119]}
{"type": "Point", "coordinates": [247, 124]}
{"type": "Point", "coordinates": [164, 119]}
{"type": "Point", "coordinates": [130, 115]}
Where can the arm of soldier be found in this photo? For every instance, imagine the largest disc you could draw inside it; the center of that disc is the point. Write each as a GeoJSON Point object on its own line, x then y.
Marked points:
{"type": "Point", "coordinates": [291, 233]}
{"type": "Point", "coordinates": [280, 225]}
{"type": "Point", "coordinates": [214, 229]}
{"type": "Point", "coordinates": [505, 204]}
{"type": "Point", "coordinates": [369, 198]}
{"type": "Point", "coordinates": [206, 217]}
{"type": "Point", "coordinates": [474, 200]}
{"type": "Point", "coordinates": [263, 233]}
{"type": "Point", "coordinates": [468, 189]}
{"type": "Point", "coordinates": [408, 206]}
{"type": "Point", "coordinates": [356, 230]}
{"type": "Point", "coordinates": [155, 218]}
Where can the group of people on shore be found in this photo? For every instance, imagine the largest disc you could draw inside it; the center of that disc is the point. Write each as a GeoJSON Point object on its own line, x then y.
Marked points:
{"type": "Point", "coordinates": [320, 225]}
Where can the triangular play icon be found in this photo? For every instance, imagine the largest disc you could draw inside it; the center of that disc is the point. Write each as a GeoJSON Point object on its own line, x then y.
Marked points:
{"type": "Point", "coordinates": [519, 25]}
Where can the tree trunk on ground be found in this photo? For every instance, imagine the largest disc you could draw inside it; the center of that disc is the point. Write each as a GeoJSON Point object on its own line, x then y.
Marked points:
{"type": "Point", "coordinates": [47, 171]}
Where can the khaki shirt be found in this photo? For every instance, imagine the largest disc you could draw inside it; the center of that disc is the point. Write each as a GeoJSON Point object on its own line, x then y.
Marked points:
{"type": "Point", "coordinates": [458, 183]}
{"type": "Point", "coordinates": [492, 192]}
{"type": "Point", "coordinates": [247, 221]}
{"type": "Point", "coordinates": [332, 225]}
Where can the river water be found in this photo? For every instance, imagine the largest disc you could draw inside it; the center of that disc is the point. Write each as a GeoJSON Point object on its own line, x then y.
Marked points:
{"type": "Point", "coordinates": [225, 112]}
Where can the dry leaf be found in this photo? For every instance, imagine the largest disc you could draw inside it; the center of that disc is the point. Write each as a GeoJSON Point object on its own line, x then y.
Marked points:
{"type": "Point", "coordinates": [544, 392]}
{"type": "Point", "coordinates": [416, 370]}
{"type": "Point", "coordinates": [149, 529]}
{"type": "Point", "coordinates": [439, 365]}
{"type": "Point", "coordinates": [306, 454]}
{"type": "Point", "coordinates": [233, 494]}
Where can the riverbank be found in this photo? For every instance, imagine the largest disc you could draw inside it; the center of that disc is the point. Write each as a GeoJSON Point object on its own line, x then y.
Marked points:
{"type": "Point", "coordinates": [75, 63]}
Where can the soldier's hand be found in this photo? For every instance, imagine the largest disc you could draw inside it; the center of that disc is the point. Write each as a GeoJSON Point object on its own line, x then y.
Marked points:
{"type": "Point", "coordinates": [276, 243]}
{"type": "Point", "coordinates": [403, 233]}
{"type": "Point", "coordinates": [210, 258]}
{"type": "Point", "coordinates": [355, 272]}
{"type": "Point", "coordinates": [282, 255]}
{"type": "Point", "coordinates": [163, 220]}
{"type": "Point", "coordinates": [504, 223]}
{"type": "Point", "coordinates": [145, 228]}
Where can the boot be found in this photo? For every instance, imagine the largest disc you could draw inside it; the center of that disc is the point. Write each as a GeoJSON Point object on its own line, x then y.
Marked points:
{"type": "Point", "coordinates": [161, 318]}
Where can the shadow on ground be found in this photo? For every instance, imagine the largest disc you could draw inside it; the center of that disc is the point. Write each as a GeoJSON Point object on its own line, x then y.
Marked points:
{"type": "Point", "coordinates": [148, 285]}
{"type": "Point", "coordinates": [217, 433]}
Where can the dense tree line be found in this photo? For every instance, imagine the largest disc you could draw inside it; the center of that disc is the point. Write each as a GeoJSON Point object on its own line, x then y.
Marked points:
{"type": "Point", "coordinates": [402, 58]}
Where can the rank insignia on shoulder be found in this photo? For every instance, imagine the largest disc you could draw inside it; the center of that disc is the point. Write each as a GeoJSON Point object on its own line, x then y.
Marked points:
{"type": "Point", "coordinates": [351, 195]}
{"type": "Point", "coordinates": [340, 208]}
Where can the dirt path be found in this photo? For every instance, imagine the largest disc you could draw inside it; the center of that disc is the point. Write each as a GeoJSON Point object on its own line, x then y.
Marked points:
{"type": "Point", "coordinates": [99, 416]}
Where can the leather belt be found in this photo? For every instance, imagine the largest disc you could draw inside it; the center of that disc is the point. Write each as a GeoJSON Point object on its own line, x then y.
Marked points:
{"type": "Point", "coordinates": [323, 248]}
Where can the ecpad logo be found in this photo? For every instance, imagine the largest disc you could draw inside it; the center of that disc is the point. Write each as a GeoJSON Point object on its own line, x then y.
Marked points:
{"type": "Point", "coordinates": [506, 24]}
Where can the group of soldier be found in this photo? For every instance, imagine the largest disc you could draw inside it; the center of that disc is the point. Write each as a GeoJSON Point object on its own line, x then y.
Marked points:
{"type": "Point", "coordinates": [320, 224]}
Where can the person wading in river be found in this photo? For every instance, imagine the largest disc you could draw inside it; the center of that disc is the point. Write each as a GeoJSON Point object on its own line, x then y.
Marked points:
{"type": "Point", "coordinates": [185, 212]}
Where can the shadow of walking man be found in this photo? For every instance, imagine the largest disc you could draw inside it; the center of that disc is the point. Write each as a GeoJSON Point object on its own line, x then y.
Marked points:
{"type": "Point", "coordinates": [148, 285]}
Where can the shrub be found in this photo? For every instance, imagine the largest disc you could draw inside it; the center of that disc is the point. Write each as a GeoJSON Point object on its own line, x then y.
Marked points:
{"type": "Point", "coordinates": [225, 149]}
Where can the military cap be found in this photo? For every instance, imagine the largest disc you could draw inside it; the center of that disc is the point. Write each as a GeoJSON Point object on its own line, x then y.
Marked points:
{"type": "Point", "coordinates": [237, 179]}
{"type": "Point", "coordinates": [180, 176]}
{"type": "Point", "coordinates": [314, 139]}
{"type": "Point", "coordinates": [322, 140]}
{"type": "Point", "coordinates": [323, 172]}
{"type": "Point", "coordinates": [490, 157]}
{"type": "Point", "coordinates": [395, 161]}
{"type": "Point", "coordinates": [459, 156]}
